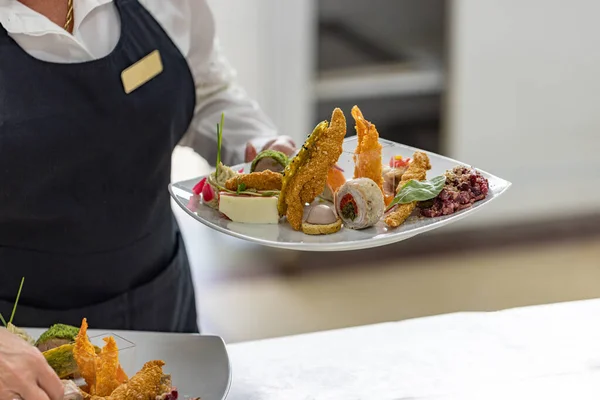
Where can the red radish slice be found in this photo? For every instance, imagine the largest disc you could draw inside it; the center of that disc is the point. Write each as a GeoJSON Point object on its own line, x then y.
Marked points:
{"type": "Point", "coordinates": [208, 194]}
{"type": "Point", "coordinates": [199, 186]}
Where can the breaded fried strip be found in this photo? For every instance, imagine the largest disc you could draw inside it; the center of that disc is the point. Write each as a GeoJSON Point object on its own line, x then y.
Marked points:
{"type": "Point", "coordinates": [146, 384]}
{"type": "Point", "coordinates": [417, 170]}
{"type": "Point", "coordinates": [367, 156]}
{"type": "Point", "coordinates": [303, 156]}
{"type": "Point", "coordinates": [400, 214]}
{"type": "Point", "coordinates": [84, 354]}
{"type": "Point", "coordinates": [264, 180]}
{"type": "Point", "coordinates": [311, 178]}
{"type": "Point", "coordinates": [107, 365]}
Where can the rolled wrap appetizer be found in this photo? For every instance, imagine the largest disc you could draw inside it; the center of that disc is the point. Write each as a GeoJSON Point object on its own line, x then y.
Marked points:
{"type": "Point", "coordinates": [359, 203]}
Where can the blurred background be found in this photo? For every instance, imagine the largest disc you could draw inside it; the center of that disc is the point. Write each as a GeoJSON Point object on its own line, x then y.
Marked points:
{"type": "Point", "coordinates": [510, 86]}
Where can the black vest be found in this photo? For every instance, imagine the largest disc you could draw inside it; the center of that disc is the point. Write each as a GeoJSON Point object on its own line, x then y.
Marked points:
{"type": "Point", "coordinates": [85, 213]}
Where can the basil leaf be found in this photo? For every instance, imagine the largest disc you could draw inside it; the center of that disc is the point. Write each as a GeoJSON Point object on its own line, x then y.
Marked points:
{"type": "Point", "coordinates": [419, 191]}
{"type": "Point", "coordinates": [241, 187]}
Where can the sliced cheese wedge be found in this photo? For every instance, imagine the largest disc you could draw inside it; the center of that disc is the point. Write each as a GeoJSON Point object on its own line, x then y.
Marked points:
{"type": "Point", "coordinates": [249, 209]}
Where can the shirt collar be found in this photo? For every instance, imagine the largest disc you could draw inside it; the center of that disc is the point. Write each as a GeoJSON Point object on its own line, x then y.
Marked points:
{"type": "Point", "coordinates": [18, 18]}
{"type": "Point", "coordinates": [84, 7]}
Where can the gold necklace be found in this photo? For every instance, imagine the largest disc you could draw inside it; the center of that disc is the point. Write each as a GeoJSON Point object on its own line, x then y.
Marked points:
{"type": "Point", "coordinates": [69, 16]}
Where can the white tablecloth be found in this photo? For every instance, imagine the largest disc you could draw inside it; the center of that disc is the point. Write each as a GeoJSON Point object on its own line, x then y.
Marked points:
{"type": "Point", "coordinates": [542, 352]}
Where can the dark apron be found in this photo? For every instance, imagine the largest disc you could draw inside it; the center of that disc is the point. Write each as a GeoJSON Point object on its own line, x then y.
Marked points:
{"type": "Point", "coordinates": [85, 214]}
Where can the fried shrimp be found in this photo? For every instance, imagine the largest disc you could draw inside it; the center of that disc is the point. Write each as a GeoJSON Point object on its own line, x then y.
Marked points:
{"type": "Point", "coordinates": [84, 354]}
{"type": "Point", "coordinates": [367, 156]}
{"type": "Point", "coordinates": [107, 365]}
{"type": "Point", "coordinates": [417, 170]}
{"type": "Point", "coordinates": [148, 383]}
{"type": "Point", "coordinates": [306, 175]}
{"type": "Point", "coordinates": [264, 180]}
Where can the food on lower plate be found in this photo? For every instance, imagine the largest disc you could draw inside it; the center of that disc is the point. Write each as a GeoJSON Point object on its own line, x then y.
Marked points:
{"type": "Point", "coordinates": [100, 368]}
{"type": "Point", "coordinates": [269, 160]}
{"type": "Point", "coordinates": [417, 170]}
{"type": "Point", "coordinates": [367, 156]}
{"type": "Point", "coordinates": [306, 174]}
{"type": "Point", "coordinates": [335, 179]}
{"type": "Point", "coordinates": [10, 326]}
{"type": "Point", "coordinates": [264, 180]}
{"type": "Point", "coordinates": [321, 219]}
{"type": "Point", "coordinates": [19, 332]}
{"type": "Point", "coordinates": [463, 187]}
{"type": "Point", "coordinates": [85, 357]}
{"type": "Point", "coordinates": [71, 391]}
{"type": "Point", "coordinates": [62, 360]}
{"type": "Point", "coordinates": [148, 383]}
{"type": "Point", "coordinates": [106, 380]}
{"type": "Point", "coordinates": [57, 335]}
{"type": "Point", "coordinates": [359, 203]}
{"type": "Point", "coordinates": [249, 209]}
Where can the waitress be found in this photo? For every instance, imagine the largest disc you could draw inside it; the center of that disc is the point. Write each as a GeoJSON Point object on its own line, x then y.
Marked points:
{"type": "Point", "coordinates": [94, 96]}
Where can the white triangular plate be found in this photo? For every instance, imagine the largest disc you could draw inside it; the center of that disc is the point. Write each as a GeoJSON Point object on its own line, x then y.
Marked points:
{"type": "Point", "coordinates": [199, 365]}
{"type": "Point", "coordinates": [284, 237]}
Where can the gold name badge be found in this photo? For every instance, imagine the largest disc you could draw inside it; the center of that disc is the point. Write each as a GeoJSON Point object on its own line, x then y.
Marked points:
{"type": "Point", "coordinates": [141, 72]}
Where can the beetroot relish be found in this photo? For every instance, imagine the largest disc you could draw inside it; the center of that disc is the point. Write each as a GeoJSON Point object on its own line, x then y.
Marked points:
{"type": "Point", "coordinates": [464, 186]}
{"type": "Point", "coordinates": [172, 395]}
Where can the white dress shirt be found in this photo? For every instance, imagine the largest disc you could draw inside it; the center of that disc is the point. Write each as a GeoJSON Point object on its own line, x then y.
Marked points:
{"type": "Point", "coordinates": [190, 25]}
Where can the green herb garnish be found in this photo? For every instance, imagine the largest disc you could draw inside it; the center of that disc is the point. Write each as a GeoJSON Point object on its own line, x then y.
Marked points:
{"type": "Point", "coordinates": [419, 191]}
{"type": "Point", "coordinates": [12, 315]}
{"type": "Point", "coordinates": [348, 211]}
{"type": "Point", "coordinates": [219, 142]}
{"type": "Point", "coordinates": [241, 187]}
{"type": "Point", "coordinates": [58, 331]}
